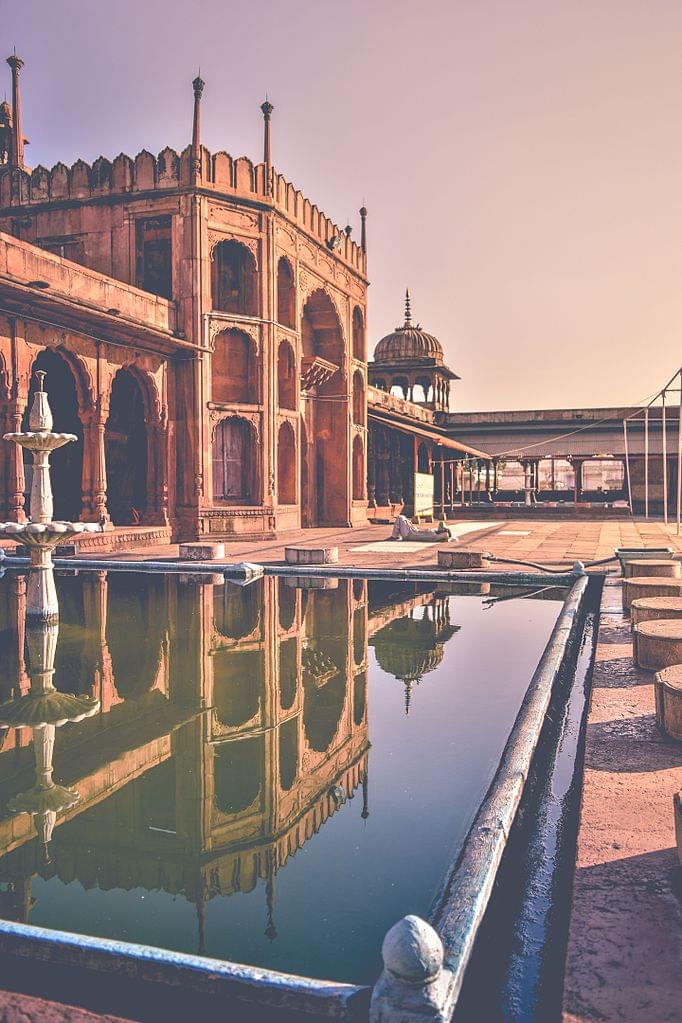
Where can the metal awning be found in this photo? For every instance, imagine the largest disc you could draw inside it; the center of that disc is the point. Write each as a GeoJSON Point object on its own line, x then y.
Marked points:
{"type": "Point", "coordinates": [422, 431]}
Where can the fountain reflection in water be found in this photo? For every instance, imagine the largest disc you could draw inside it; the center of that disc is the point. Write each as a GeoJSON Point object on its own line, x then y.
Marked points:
{"type": "Point", "coordinates": [41, 534]}
{"type": "Point", "coordinates": [43, 709]}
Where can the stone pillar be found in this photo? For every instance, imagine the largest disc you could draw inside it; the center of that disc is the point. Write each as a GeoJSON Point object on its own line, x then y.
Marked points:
{"type": "Point", "coordinates": [157, 478]}
{"type": "Point", "coordinates": [94, 501]}
{"type": "Point", "coordinates": [16, 482]}
{"type": "Point", "coordinates": [414, 987]}
{"type": "Point", "coordinates": [95, 602]}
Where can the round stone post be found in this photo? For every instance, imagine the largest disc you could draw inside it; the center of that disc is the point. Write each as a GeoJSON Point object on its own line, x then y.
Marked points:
{"type": "Point", "coordinates": [413, 986]}
{"type": "Point", "coordinates": [41, 593]}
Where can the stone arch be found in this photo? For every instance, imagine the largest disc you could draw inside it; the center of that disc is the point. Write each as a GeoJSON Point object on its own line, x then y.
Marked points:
{"type": "Point", "coordinates": [321, 329]}
{"type": "Point", "coordinates": [234, 278]}
{"type": "Point", "coordinates": [234, 368]}
{"type": "Point", "coordinates": [287, 384]}
{"type": "Point", "coordinates": [135, 630]}
{"type": "Point", "coordinates": [236, 609]}
{"type": "Point", "coordinates": [358, 398]}
{"type": "Point", "coordinates": [235, 461]}
{"type": "Point", "coordinates": [324, 490]}
{"type": "Point", "coordinates": [288, 753]}
{"type": "Point", "coordinates": [69, 399]}
{"type": "Point", "coordinates": [358, 468]}
{"type": "Point", "coordinates": [286, 464]}
{"type": "Point", "coordinates": [322, 711]}
{"type": "Point", "coordinates": [286, 293]}
{"type": "Point", "coordinates": [399, 387]}
{"type": "Point", "coordinates": [359, 697]}
{"type": "Point", "coordinates": [423, 458]}
{"type": "Point", "coordinates": [237, 685]}
{"type": "Point", "coordinates": [288, 672]}
{"type": "Point", "coordinates": [359, 347]}
{"type": "Point", "coordinates": [126, 449]}
{"type": "Point", "coordinates": [238, 774]}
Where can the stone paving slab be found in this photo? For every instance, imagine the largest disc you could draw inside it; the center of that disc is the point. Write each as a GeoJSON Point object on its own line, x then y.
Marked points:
{"type": "Point", "coordinates": [17, 1008]}
{"type": "Point", "coordinates": [625, 941]}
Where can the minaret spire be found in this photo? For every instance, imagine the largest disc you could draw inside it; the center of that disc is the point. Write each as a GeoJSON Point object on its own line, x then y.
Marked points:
{"type": "Point", "coordinates": [267, 109]}
{"type": "Point", "coordinates": [17, 154]}
{"type": "Point", "coordinates": [363, 228]}
{"type": "Point", "coordinates": [408, 311]}
{"type": "Point", "coordinates": [198, 86]}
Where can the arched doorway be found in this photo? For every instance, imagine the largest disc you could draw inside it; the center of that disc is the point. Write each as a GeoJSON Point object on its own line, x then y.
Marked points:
{"type": "Point", "coordinates": [286, 465]}
{"type": "Point", "coordinates": [286, 376]}
{"type": "Point", "coordinates": [234, 369]}
{"type": "Point", "coordinates": [358, 468]}
{"type": "Point", "coordinates": [286, 294]}
{"type": "Point", "coordinates": [235, 462]}
{"type": "Point", "coordinates": [125, 450]}
{"type": "Point", "coordinates": [234, 279]}
{"type": "Point", "coordinates": [359, 335]}
{"type": "Point", "coordinates": [324, 488]}
{"type": "Point", "coordinates": [358, 399]}
{"type": "Point", "coordinates": [67, 461]}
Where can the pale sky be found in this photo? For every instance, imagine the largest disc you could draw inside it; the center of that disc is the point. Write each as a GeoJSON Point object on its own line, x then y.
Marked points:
{"type": "Point", "coordinates": [521, 160]}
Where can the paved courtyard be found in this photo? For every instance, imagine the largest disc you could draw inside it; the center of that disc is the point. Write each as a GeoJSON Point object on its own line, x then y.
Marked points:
{"type": "Point", "coordinates": [548, 542]}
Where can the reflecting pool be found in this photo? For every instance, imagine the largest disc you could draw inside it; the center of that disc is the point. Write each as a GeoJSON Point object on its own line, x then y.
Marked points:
{"type": "Point", "coordinates": [272, 774]}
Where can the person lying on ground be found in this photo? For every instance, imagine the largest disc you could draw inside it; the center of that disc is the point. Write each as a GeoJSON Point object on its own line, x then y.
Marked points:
{"type": "Point", "coordinates": [404, 530]}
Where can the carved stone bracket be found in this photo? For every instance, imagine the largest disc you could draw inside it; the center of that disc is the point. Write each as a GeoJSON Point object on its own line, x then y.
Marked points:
{"type": "Point", "coordinates": [316, 371]}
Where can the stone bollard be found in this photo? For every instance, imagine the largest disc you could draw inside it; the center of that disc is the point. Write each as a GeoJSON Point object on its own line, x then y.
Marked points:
{"type": "Point", "coordinates": [677, 806]}
{"type": "Point", "coordinates": [649, 586]}
{"type": "Point", "coordinates": [463, 559]}
{"type": "Point", "coordinates": [659, 567]}
{"type": "Point", "coordinates": [413, 986]}
{"type": "Point", "coordinates": [658, 644]}
{"type": "Point", "coordinates": [651, 609]}
{"type": "Point", "coordinates": [668, 690]}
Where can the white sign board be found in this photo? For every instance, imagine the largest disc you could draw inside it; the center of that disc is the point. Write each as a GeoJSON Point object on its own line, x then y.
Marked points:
{"type": "Point", "coordinates": [423, 494]}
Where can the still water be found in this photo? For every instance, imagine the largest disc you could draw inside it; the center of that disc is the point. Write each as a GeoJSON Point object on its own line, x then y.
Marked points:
{"type": "Point", "coordinates": [274, 773]}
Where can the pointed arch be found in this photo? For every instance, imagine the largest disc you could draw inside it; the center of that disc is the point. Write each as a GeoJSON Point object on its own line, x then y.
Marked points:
{"type": "Point", "coordinates": [234, 279]}
{"type": "Point", "coordinates": [286, 293]}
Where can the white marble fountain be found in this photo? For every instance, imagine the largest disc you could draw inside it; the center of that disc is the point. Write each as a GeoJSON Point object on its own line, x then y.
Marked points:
{"type": "Point", "coordinates": [41, 534]}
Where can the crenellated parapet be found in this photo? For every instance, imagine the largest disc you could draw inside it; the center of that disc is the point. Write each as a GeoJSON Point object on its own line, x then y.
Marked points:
{"type": "Point", "coordinates": [219, 173]}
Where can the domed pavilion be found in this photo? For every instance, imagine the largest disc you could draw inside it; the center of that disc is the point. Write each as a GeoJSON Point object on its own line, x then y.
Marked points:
{"type": "Point", "coordinates": [409, 363]}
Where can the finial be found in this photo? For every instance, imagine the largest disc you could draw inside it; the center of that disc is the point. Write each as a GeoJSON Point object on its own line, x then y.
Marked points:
{"type": "Point", "coordinates": [267, 108]}
{"type": "Point", "coordinates": [408, 311]}
{"type": "Point", "coordinates": [198, 85]}
{"type": "Point", "coordinates": [41, 374]}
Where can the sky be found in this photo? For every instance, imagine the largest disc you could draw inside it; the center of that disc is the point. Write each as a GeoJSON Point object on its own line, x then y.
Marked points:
{"type": "Point", "coordinates": [521, 160]}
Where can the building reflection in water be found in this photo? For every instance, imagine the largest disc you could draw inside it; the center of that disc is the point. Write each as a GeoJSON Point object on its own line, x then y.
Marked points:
{"type": "Point", "coordinates": [213, 728]}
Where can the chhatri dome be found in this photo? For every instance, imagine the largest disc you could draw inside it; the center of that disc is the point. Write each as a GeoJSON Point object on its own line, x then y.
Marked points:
{"type": "Point", "coordinates": [408, 343]}
{"type": "Point", "coordinates": [409, 363]}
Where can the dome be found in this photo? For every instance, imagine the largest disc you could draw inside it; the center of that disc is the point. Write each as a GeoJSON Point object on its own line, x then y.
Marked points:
{"type": "Point", "coordinates": [408, 343]}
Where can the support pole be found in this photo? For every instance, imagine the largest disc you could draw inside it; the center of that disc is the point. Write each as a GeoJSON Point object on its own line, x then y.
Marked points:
{"type": "Point", "coordinates": [679, 459]}
{"type": "Point", "coordinates": [627, 462]}
{"type": "Point", "coordinates": [665, 462]}
{"type": "Point", "coordinates": [646, 462]}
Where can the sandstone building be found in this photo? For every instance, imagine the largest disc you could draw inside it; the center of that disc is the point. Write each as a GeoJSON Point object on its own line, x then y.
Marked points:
{"type": "Point", "coordinates": [202, 325]}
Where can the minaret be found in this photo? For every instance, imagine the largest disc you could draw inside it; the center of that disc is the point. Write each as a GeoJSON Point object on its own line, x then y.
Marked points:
{"type": "Point", "coordinates": [267, 109]}
{"type": "Point", "coordinates": [363, 228]}
{"type": "Point", "coordinates": [198, 86]}
{"type": "Point", "coordinates": [17, 154]}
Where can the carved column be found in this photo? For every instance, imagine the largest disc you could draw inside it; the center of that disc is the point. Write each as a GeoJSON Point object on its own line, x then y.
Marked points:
{"type": "Point", "coordinates": [16, 482]}
{"type": "Point", "coordinates": [157, 477]}
{"type": "Point", "coordinates": [94, 467]}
